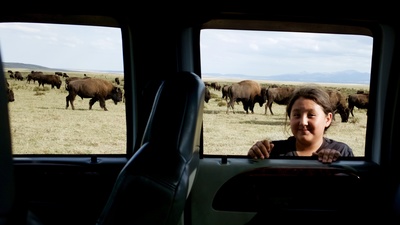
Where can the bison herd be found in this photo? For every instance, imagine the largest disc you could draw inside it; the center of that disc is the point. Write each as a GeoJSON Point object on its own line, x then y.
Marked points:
{"type": "Point", "coordinates": [86, 87]}
{"type": "Point", "coordinates": [250, 92]}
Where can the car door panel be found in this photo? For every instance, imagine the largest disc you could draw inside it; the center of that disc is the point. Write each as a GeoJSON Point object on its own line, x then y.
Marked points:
{"type": "Point", "coordinates": [238, 190]}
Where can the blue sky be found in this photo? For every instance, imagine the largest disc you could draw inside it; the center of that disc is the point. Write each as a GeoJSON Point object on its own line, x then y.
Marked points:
{"type": "Point", "coordinates": [222, 51]}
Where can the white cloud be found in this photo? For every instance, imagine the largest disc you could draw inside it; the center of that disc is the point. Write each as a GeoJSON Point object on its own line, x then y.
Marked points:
{"type": "Point", "coordinates": [62, 46]}
{"type": "Point", "coordinates": [274, 53]}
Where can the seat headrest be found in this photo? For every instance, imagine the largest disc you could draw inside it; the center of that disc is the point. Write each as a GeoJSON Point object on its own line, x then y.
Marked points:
{"type": "Point", "coordinates": [181, 97]}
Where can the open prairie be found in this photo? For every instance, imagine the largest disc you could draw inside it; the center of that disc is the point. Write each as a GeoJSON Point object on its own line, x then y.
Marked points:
{"type": "Point", "coordinates": [41, 124]}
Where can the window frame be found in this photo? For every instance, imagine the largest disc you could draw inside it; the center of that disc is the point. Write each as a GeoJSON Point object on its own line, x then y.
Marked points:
{"type": "Point", "coordinates": [382, 42]}
{"type": "Point", "coordinates": [131, 112]}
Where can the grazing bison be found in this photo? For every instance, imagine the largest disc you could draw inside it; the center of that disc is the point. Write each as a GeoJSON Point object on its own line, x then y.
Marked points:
{"type": "Point", "coordinates": [18, 75]}
{"type": "Point", "coordinates": [248, 92]}
{"type": "Point", "coordinates": [34, 75]}
{"type": "Point", "coordinates": [216, 86]}
{"type": "Point", "coordinates": [207, 95]}
{"type": "Point", "coordinates": [279, 95]}
{"type": "Point", "coordinates": [358, 100]}
{"type": "Point", "coordinates": [11, 73]}
{"type": "Point", "coordinates": [53, 80]}
{"type": "Point", "coordinates": [94, 88]}
{"type": "Point", "coordinates": [10, 93]}
{"type": "Point", "coordinates": [117, 80]}
{"type": "Point", "coordinates": [339, 104]}
{"type": "Point", "coordinates": [224, 91]}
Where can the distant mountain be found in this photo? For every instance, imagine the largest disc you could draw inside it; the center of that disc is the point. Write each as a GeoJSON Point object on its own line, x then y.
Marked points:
{"type": "Point", "coordinates": [346, 76]}
{"type": "Point", "coordinates": [8, 65]}
{"type": "Point", "coordinates": [25, 66]}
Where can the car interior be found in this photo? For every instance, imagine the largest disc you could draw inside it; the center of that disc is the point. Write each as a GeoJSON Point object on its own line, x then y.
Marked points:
{"type": "Point", "coordinates": [166, 169]}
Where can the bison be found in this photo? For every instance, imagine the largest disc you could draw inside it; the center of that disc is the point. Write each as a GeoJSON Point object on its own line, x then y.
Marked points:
{"type": "Point", "coordinates": [34, 75]}
{"type": "Point", "coordinates": [207, 95]}
{"type": "Point", "coordinates": [11, 73]}
{"type": "Point", "coordinates": [216, 86]}
{"type": "Point", "coordinates": [248, 92]}
{"type": "Point", "coordinates": [94, 88]}
{"type": "Point", "coordinates": [339, 104]}
{"type": "Point", "coordinates": [117, 80]}
{"type": "Point", "coordinates": [51, 79]}
{"type": "Point", "coordinates": [10, 93]}
{"type": "Point", "coordinates": [224, 91]}
{"type": "Point", "coordinates": [18, 75]}
{"type": "Point", "coordinates": [279, 95]}
{"type": "Point", "coordinates": [359, 100]}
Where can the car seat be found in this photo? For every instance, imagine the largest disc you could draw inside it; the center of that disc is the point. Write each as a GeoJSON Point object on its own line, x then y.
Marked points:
{"type": "Point", "coordinates": [153, 186]}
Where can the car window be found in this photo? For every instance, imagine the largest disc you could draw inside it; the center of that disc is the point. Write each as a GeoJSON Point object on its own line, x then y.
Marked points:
{"type": "Point", "coordinates": [339, 62]}
{"type": "Point", "coordinates": [49, 117]}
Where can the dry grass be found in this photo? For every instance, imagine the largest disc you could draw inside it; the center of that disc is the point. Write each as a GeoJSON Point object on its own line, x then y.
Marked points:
{"type": "Point", "coordinates": [40, 124]}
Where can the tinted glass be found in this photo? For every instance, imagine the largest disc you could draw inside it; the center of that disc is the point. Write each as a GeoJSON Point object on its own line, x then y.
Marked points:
{"type": "Point", "coordinates": [280, 59]}
{"type": "Point", "coordinates": [42, 120]}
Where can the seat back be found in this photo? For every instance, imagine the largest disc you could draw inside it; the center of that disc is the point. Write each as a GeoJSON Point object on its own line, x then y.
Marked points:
{"type": "Point", "coordinates": [153, 186]}
{"type": "Point", "coordinates": [7, 189]}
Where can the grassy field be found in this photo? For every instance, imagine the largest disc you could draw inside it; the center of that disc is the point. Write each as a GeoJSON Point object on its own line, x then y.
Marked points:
{"type": "Point", "coordinates": [40, 123]}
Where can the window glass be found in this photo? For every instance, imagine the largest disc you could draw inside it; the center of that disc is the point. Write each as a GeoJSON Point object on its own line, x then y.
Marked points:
{"type": "Point", "coordinates": [279, 59]}
{"type": "Point", "coordinates": [39, 60]}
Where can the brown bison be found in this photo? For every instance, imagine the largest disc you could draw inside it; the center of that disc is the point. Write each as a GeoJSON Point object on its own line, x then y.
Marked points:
{"type": "Point", "coordinates": [248, 92]}
{"type": "Point", "coordinates": [11, 73]}
{"type": "Point", "coordinates": [10, 93]}
{"type": "Point", "coordinates": [216, 86]}
{"type": "Point", "coordinates": [18, 75]}
{"type": "Point", "coordinates": [207, 95]}
{"type": "Point", "coordinates": [339, 104]}
{"type": "Point", "coordinates": [358, 100]}
{"type": "Point", "coordinates": [279, 95]}
{"type": "Point", "coordinates": [53, 80]}
{"type": "Point", "coordinates": [94, 88]}
{"type": "Point", "coordinates": [224, 91]}
{"type": "Point", "coordinates": [117, 80]}
{"type": "Point", "coordinates": [34, 75]}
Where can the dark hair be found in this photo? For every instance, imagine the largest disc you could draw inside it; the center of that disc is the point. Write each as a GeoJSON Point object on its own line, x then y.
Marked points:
{"type": "Point", "coordinates": [312, 92]}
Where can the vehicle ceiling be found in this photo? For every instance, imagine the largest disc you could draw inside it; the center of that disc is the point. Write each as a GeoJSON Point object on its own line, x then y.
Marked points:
{"type": "Point", "coordinates": [196, 11]}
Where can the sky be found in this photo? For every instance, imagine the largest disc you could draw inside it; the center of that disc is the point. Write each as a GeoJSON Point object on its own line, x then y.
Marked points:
{"type": "Point", "coordinates": [274, 53]}
{"type": "Point", "coordinates": [62, 46]}
{"type": "Point", "coordinates": [222, 51]}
